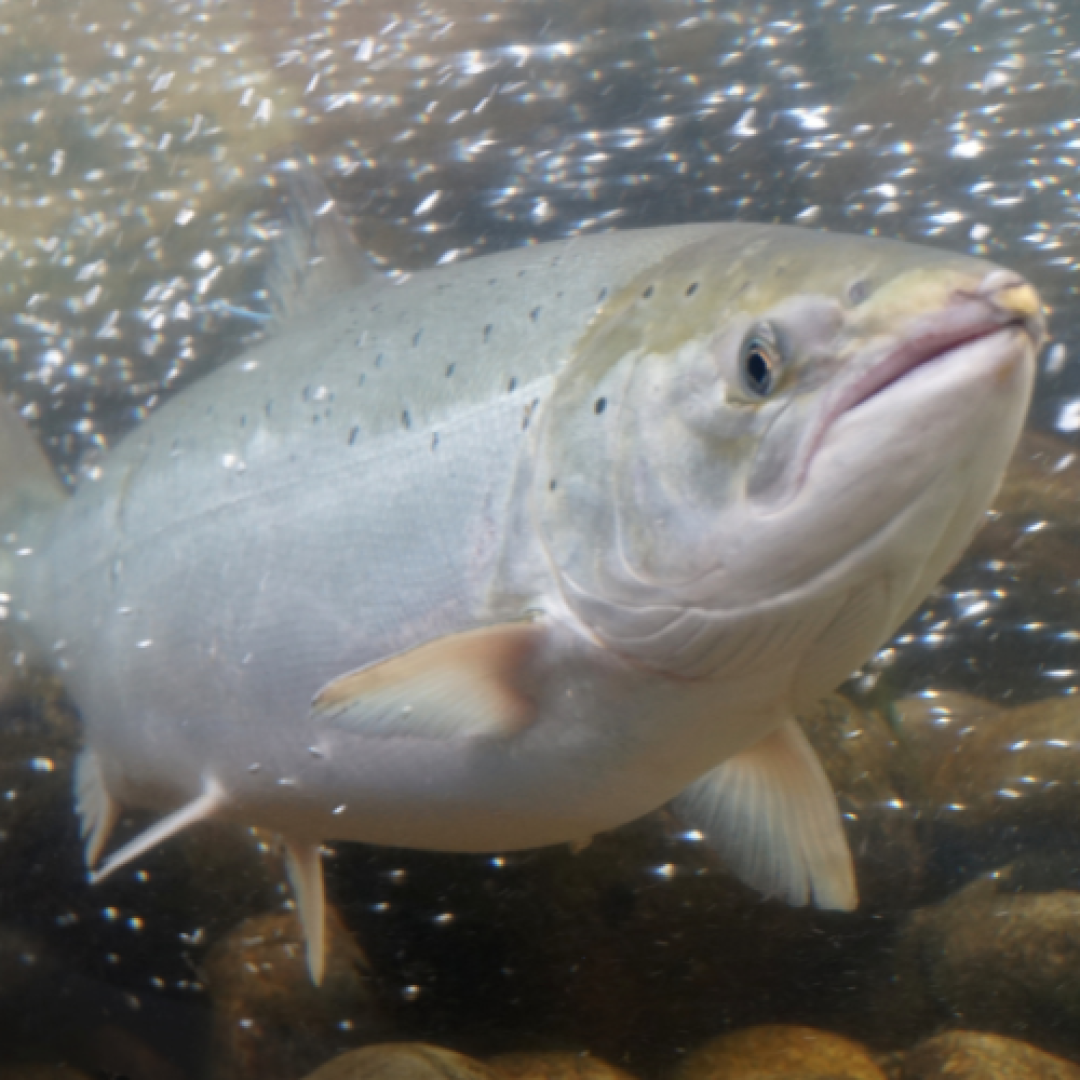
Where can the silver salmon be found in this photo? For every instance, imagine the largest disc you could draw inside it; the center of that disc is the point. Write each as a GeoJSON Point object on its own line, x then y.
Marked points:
{"type": "Point", "coordinates": [523, 548]}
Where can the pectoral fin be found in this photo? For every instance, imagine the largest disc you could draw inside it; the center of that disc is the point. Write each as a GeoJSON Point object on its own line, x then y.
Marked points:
{"type": "Point", "coordinates": [772, 816]}
{"type": "Point", "coordinates": [462, 685]}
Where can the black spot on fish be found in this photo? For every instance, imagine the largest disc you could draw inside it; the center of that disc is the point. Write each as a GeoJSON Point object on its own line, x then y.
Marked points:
{"type": "Point", "coordinates": [511, 386]}
{"type": "Point", "coordinates": [649, 290]}
{"type": "Point", "coordinates": [553, 485]}
{"type": "Point", "coordinates": [601, 296]}
{"type": "Point", "coordinates": [450, 370]}
{"type": "Point", "coordinates": [487, 333]}
{"type": "Point", "coordinates": [379, 359]}
{"type": "Point", "coordinates": [416, 338]}
{"type": "Point", "coordinates": [406, 420]}
{"type": "Point", "coordinates": [600, 405]}
{"type": "Point", "coordinates": [691, 288]}
{"type": "Point", "coordinates": [354, 435]}
{"type": "Point", "coordinates": [535, 314]}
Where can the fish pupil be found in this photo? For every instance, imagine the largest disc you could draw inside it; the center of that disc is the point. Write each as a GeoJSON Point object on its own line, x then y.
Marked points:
{"type": "Point", "coordinates": [758, 371]}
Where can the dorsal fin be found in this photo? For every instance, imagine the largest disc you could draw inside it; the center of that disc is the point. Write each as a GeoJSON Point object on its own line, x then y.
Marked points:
{"type": "Point", "coordinates": [315, 257]}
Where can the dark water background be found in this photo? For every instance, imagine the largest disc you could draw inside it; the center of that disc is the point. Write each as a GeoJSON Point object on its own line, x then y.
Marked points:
{"type": "Point", "coordinates": [137, 200]}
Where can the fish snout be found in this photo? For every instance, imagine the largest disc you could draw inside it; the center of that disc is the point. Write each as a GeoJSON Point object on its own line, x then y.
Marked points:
{"type": "Point", "coordinates": [1013, 299]}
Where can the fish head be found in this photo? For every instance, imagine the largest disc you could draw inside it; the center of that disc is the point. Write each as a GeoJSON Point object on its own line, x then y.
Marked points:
{"type": "Point", "coordinates": [775, 425]}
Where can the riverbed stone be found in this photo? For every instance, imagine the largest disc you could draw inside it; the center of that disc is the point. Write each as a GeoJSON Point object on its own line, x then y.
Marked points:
{"type": "Point", "coordinates": [270, 1021]}
{"type": "Point", "coordinates": [403, 1061]}
{"type": "Point", "coordinates": [978, 1055]}
{"type": "Point", "coordinates": [780, 1052]}
{"type": "Point", "coordinates": [1003, 954]}
{"type": "Point", "coordinates": [555, 1066]}
{"type": "Point", "coordinates": [995, 783]}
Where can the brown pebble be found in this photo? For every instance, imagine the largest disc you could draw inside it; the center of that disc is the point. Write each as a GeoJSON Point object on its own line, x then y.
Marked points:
{"type": "Point", "coordinates": [270, 1022]}
{"type": "Point", "coordinates": [556, 1066]}
{"type": "Point", "coordinates": [974, 1055]}
{"type": "Point", "coordinates": [403, 1061]}
{"type": "Point", "coordinates": [1002, 957]}
{"type": "Point", "coordinates": [780, 1052]}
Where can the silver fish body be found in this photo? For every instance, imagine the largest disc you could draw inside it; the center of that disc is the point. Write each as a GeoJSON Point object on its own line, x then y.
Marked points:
{"type": "Point", "coordinates": [523, 548]}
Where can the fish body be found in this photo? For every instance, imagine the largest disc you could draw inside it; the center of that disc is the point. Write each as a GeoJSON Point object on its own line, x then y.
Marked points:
{"type": "Point", "coordinates": [523, 548]}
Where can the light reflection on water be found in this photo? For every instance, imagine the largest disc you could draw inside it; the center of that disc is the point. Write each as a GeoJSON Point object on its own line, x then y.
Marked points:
{"type": "Point", "coordinates": [138, 199]}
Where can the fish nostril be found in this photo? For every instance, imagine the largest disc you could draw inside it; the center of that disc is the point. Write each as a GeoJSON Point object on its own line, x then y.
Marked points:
{"type": "Point", "coordinates": [998, 281]}
{"type": "Point", "coordinates": [1013, 298]}
{"type": "Point", "coordinates": [859, 291]}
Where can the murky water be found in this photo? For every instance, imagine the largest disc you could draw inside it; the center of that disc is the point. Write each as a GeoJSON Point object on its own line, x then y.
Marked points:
{"type": "Point", "coordinates": [138, 198]}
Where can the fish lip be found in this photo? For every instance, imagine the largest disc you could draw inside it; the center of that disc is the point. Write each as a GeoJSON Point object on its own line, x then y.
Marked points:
{"type": "Point", "coordinates": [1001, 303]}
{"type": "Point", "coordinates": [901, 361]}
{"type": "Point", "coordinates": [972, 316]}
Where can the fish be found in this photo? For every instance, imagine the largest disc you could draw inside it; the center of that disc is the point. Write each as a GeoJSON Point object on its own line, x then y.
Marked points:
{"type": "Point", "coordinates": [519, 549]}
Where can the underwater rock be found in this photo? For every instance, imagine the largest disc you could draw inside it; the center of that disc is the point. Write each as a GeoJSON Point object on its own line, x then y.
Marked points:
{"type": "Point", "coordinates": [996, 782]}
{"type": "Point", "coordinates": [1041, 485]}
{"type": "Point", "coordinates": [866, 766]}
{"type": "Point", "coordinates": [1001, 955]}
{"type": "Point", "coordinates": [555, 1066]}
{"type": "Point", "coordinates": [975, 1055]}
{"type": "Point", "coordinates": [403, 1061]}
{"type": "Point", "coordinates": [269, 1020]}
{"type": "Point", "coordinates": [780, 1052]}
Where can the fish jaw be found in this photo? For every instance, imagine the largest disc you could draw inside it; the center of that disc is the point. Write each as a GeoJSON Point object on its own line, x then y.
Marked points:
{"type": "Point", "coordinates": [1002, 313]}
{"type": "Point", "coordinates": [969, 358]}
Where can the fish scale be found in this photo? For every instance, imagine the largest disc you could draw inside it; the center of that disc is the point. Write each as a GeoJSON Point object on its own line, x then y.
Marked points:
{"type": "Point", "coordinates": [517, 550]}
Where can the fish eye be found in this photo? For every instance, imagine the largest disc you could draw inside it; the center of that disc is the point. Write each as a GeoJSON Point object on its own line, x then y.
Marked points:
{"type": "Point", "coordinates": [759, 362]}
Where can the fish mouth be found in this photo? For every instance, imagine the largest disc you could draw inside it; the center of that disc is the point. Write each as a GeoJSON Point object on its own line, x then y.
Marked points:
{"type": "Point", "coordinates": [1002, 304]}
